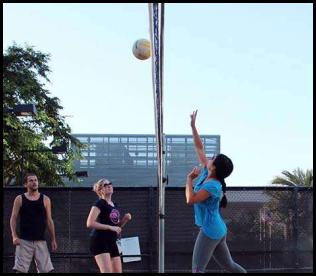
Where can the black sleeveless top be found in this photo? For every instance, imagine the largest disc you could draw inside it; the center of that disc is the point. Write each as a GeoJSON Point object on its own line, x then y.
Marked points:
{"type": "Point", "coordinates": [32, 219]}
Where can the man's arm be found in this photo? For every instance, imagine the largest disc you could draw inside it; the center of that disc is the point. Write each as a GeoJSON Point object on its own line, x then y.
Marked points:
{"type": "Point", "coordinates": [50, 222]}
{"type": "Point", "coordinates": [15, 211]}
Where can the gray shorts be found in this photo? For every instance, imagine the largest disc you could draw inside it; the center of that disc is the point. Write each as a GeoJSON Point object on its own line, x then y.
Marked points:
{"type": "Point", "coordinates": [25, 252]}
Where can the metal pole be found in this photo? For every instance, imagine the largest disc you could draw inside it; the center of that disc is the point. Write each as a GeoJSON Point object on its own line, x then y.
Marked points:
{"type": "Point", "coordinates": [270, 245]}
{"type": "Point", "coordinates": [295, 225]}
{"type": "Point", "coordinates": [264, 239]}
{"type": "Point", "coordinates": [151, 227]}
{"type": "Point", "coordinates": [156, 22]}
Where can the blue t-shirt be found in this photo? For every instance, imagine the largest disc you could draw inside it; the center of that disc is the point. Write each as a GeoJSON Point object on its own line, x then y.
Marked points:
{"type": "Point", "coordinates": [207, 215]}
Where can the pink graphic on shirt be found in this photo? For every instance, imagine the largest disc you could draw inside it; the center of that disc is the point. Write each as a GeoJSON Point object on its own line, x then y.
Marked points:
{"type": "Point", "coordinates": [115, 216]}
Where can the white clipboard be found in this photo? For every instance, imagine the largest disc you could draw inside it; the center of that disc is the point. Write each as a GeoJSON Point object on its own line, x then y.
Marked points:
{"type": "Point", "coordinates": [129, 246]}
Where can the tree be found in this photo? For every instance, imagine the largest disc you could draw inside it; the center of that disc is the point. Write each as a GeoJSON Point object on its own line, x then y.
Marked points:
{"type": "Point", "coordinates": [293, 207]}
{"type": "Point", "coordinates": [25, 73]}
{"type": "Point", "coordinates": [297, 178]}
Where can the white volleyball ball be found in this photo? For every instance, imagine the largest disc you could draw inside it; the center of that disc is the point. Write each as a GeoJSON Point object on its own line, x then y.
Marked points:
{"type": "Point", "coordinates": [142, 49]}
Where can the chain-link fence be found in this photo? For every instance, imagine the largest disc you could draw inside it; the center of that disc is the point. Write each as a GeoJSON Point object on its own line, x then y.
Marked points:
{"type": "Point", "coordinates": [269, 228]}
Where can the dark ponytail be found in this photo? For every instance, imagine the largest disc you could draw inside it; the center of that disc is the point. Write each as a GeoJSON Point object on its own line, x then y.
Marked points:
{"type": "Point", "coordinates": [224, 167]}
{"type": "Point", "coordinates": [223, 202]}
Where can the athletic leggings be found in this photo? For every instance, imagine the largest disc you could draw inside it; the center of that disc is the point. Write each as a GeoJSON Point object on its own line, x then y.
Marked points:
{"type": "Point", "coordinates": [206, 247]}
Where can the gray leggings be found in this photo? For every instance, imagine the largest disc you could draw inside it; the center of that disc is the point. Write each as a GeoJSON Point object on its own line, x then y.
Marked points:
{"type": "Point", "coordinates": [205, 248]}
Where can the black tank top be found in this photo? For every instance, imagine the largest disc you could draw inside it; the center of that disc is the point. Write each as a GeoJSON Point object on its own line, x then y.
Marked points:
{"type": "Point", "coordinates": [32, 219]}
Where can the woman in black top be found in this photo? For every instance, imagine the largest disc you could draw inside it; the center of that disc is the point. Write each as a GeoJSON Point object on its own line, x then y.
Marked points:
{"type": "Point", "coordinates": [104, 219]}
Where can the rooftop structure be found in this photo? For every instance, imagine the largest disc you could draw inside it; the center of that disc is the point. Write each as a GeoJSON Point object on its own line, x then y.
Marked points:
{"type": "Point", "coordinates": [131, 160]}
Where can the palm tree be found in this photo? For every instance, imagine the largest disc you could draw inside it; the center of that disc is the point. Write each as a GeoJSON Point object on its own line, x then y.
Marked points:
{"type": "Point", "coordinates": [297, 178]}
{"type": "Point", "coordinates": [284, 205]}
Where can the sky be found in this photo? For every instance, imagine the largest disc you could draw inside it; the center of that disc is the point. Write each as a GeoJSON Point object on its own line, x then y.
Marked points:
{"type": "Point", "coordinates": [246, 68]}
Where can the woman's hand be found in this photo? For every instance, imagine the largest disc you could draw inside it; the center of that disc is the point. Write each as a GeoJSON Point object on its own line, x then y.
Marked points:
{"type": "Point", "coordinates": [193, 118]}
{"type": "Point", "coordinates": [127, 216]}
{"type": "Point", "coordinates": [194, 173]}
{"type": "Point", "coordinates": [116, 229]}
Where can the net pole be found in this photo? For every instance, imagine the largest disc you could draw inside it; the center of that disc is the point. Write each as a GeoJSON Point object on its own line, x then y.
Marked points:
{"type": "Point", "coordinates": [156, 22]}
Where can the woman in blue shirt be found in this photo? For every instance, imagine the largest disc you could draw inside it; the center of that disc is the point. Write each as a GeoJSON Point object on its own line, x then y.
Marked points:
{"type": "Point", "coordinates": [207, 197]}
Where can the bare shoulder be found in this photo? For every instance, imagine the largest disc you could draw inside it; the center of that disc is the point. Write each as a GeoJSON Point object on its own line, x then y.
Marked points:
{"type": "Point", "coordinates": [95, 210]}
{"type": "Point", "coordinates": [46, 199]}
{"type": "Point", "coordinates": [18, 199]}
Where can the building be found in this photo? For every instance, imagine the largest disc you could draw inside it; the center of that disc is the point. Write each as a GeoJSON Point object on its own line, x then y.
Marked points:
{"type": "Point", "coordinates": [131, 160]}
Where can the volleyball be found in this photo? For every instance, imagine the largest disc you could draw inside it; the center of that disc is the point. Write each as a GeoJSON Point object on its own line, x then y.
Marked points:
{"type": "Point", "coordinates": [141, 49]}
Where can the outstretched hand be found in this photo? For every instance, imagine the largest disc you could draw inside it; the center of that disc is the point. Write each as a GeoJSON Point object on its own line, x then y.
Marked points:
{"type": "Point", "coordinates": [193, 118]}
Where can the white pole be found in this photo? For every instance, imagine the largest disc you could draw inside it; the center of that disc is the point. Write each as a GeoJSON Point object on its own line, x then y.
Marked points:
{"type": "Point", "coordinates": [156, 22]}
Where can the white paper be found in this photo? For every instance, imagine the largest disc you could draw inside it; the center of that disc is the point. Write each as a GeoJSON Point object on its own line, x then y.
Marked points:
{"type": "Point", "coordinates": [129, 246]}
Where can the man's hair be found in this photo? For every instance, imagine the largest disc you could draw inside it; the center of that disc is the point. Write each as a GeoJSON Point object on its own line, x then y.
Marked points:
{"type": "Point", "coordinates": [27, 175]}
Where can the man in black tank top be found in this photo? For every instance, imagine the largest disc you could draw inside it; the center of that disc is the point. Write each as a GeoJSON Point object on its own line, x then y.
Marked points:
{"type": "Point", "coordinates": [34, 209]}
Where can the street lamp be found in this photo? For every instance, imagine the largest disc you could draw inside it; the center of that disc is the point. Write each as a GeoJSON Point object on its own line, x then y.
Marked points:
{"type": "Point", "coordinates": [23, 110]}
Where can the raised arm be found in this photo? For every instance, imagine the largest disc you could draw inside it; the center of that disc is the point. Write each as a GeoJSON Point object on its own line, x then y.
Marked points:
{"type": "Point", "coordinates": [199, 149]}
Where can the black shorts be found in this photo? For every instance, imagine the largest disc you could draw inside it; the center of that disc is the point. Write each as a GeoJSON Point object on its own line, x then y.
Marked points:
{"type": "Point", "coordinates": [100, 245]}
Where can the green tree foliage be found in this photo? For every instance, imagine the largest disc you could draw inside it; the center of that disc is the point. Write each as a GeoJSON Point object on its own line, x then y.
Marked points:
{"type": "Point", "coordinates": [297, 178]}
{"type": "Point", "coordinates": [25, 73]}
{"type": "Point", "coordinates": [293, 208]}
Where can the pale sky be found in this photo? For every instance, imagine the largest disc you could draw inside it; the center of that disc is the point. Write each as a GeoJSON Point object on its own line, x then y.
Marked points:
{"type": "Point", "coordinates": [247, 68]}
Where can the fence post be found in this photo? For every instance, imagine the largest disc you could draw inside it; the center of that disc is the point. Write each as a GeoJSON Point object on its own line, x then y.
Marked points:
{"type": "Point", "coordinates": [295, 226]}
{"type": "Point", "coordinates": [151, 226]}
{"type": "Point", "coordinates": [69, 229]}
